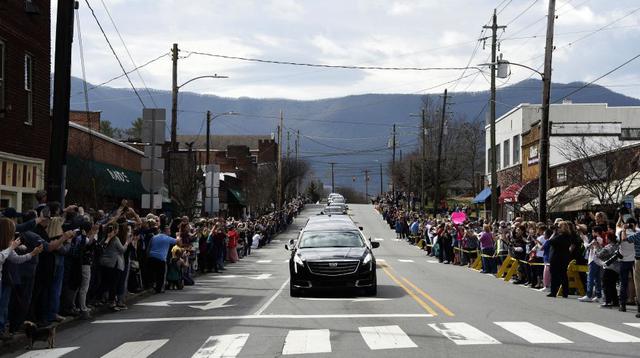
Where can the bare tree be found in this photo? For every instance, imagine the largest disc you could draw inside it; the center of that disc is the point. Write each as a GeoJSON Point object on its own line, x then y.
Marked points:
{"type": "Point", "coordinates": [186, 183]}
{"type": "Point", "coordinates": [602, 166]}
{"type": "Point", "coordinates": [260, 182]}
{"type": "Point", "coordinates": [260, 187]}
{"type": "Point", "coordinates": [293, 172]}
{"type": "Point", "coordinates": [472, 139]}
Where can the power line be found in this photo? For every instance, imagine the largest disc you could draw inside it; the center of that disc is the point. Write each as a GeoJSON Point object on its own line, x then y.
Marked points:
{"type": "Point", "coordinates": [115, 54]}
{"type": "Point", "coordinates": [348, 67]}
{"type": "Point", "coordinates": [589, 34]}
{"type": "Point", "coordinates": [599, 78]}
{"type": "Point", "coordinates": [127, 72]}
{"type": "Point", "coordinates": [361, 152]}
{"type": "Point", "coordinates": [127, 50]}
{"type": "Point", "coordinates": [505, 6]}
{"type": "Point", "coordinates": [521, 13]}
{"type": "Point", "coordinates": [603, 27]}
{"type": "Point", "coordinates": [528, 26]}
{"type": "Point", "coordinates": [568, 33]}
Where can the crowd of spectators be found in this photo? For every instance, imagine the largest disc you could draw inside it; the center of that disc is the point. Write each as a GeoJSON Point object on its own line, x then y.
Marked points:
{"type": "Point", "coordinates": [58, 262]}
{"type": "Point", "coordinates": [609, 249]}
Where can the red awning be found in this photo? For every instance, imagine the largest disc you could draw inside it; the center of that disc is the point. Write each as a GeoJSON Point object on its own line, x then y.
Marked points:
{"type": "Point", "coordinates": [519, 193]}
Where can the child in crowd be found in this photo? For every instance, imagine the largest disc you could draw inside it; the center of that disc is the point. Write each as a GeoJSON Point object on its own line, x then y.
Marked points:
{"type": "Point", "coordinates": [175, 270]}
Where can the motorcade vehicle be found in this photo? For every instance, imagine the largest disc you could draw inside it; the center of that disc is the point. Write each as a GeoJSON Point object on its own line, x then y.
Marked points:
{"type": "Point", "coordinates": [331, 252]}
{"type": "Point", "coordinates": [335, 210]}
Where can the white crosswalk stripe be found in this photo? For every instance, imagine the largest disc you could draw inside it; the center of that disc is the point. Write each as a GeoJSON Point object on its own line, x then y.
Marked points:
{"type": "Point", "coordinates": [386, 337]}
{"type": "Point", "coordinates": [637, 325]}
{"type": "Point", "coordinates": [139, 349]}
{"type": "Point", "coordinates": [307, 341]}
{"type": "Point", "coordinates": [376, 338]}
{"type": "Point", "coordinates": [264, 261]}
{"type": "Point", "coordinates": [228, 345]}
{"type": "Point", "coordinates": [602, 332]}
{"type": "Point", "coordinates": [48, 353]}
{"type": "Point", "coordinates": [532, 333]}
{"type": "Point", "coordinates": [463, 334]}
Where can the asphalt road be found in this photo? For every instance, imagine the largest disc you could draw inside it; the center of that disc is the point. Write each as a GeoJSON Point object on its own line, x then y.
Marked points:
{"type": "Point", "coordinates": [422, 309]}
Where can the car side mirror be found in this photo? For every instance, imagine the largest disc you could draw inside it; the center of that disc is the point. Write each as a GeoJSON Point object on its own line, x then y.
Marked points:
{"type": "Point", "coordinates": [375, 244]}
{"type": "Point", "coordinates": [361, 228]}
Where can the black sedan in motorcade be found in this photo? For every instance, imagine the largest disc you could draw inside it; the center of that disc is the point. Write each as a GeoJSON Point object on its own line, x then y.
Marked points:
{"type": "Point", "coordinates": [332, 254]}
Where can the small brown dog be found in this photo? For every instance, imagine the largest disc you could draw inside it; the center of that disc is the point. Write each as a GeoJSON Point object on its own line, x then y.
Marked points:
{"type": "Point", "coordinates": [35, 333]}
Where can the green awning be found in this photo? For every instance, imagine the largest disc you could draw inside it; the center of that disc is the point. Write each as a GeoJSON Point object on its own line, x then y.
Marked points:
{"type": "Point", "coordinates": [109, 180]}
{"type": "Point", "coordinates": [237, 194]}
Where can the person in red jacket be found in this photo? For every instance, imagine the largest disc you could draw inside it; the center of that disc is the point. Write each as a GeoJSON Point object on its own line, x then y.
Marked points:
{"type": "Point", "coordinates": [232, 252]}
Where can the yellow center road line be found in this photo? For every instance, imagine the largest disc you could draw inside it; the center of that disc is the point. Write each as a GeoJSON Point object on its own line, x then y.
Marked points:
{"type": "Point", "coordinates": [411, 293]}
{"type": "Point", "coordinates": [431, 299]}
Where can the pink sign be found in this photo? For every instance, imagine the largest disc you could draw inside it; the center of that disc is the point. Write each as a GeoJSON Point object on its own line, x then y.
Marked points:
{"type": "Point", "coordinates": [458, 217]}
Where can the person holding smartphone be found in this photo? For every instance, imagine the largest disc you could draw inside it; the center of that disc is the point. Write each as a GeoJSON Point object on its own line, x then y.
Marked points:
{"type": "Point", "coordinates": [9, 242]}
{"type": "Point", "coordinates": [635, 239]}
{"type": "Point", "coordinates": [627, 260]}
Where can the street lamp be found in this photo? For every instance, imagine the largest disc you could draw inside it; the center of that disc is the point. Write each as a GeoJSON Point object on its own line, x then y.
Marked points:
{"type": "Point", "coordinates": [504, 71]}
{"type": "Point", "coordinates": [174, 106]}
{"type": "Point", "coordinates": [210, 118]}
{"type": "Point", "coordinates": [174, 113]}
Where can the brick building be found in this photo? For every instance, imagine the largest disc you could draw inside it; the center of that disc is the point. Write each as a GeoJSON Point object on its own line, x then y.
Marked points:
{"type": "Point", "coordinates": [232, 151]}
{"type": "Point", "coordinates": [89, 119]}
{"type": "Point", "coordinates": [238, 159]}
{"type": "Point", "coordinates": [101, 171]}
{"type": "Point", "coordinates": [25, 70]}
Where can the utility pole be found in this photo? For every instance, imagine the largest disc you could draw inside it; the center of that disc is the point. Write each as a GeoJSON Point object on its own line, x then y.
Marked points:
{"type": "Point", "coordinates": [279, 187]}
{"type": "Point", "coordinates": [366, 185]}
{"type": "Point", "coordinates": [207, 163]}
{"type": "Point", "coordinates": [381, 184]}
{"type": "Point", "coordinates": [544, 123]}
{"type": "Point", "coordinates": [174, 97]}
{"type": "Point", "coordinates": [208, 137]}
{"type": "Point", "coordinates": [410, 175]}
{"type": "Point", "coordinates": [492, 127]}
{"type": "Point", "coordinates": [333, 182]}
{"type": "Point", "coordinates": [297, 167]}
{"type": "Point", "coordinates": [436, 197]}
{"type": "Point", "coordinates": [61, 102]}
{"type": "Point", "coordinates": [424, 157]}
{"type": "Point", "coordinates": [174, 117]}
{"type": "Point", "coordinates": [393, 166]}
{"type": "Point", "coordinates": [288, 147]}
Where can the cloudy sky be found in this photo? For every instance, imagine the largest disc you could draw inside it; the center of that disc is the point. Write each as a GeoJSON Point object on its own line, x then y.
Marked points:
{"type": "Point", "coordinates": [393, 33]}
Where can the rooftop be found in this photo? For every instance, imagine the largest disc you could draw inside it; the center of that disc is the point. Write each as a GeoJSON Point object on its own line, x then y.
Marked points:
{"type": "Point", "coordinates": [221, 142]}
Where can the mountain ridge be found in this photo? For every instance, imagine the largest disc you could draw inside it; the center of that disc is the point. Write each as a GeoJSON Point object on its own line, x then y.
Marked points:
{"type": "Point", "coordinates": [368, 116]}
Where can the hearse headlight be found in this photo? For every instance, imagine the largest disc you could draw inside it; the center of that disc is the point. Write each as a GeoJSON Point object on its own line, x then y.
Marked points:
{"type": "Point", "coordinates": [298, 261]}
{"type": "Point", "coordinates": [368, 260]}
